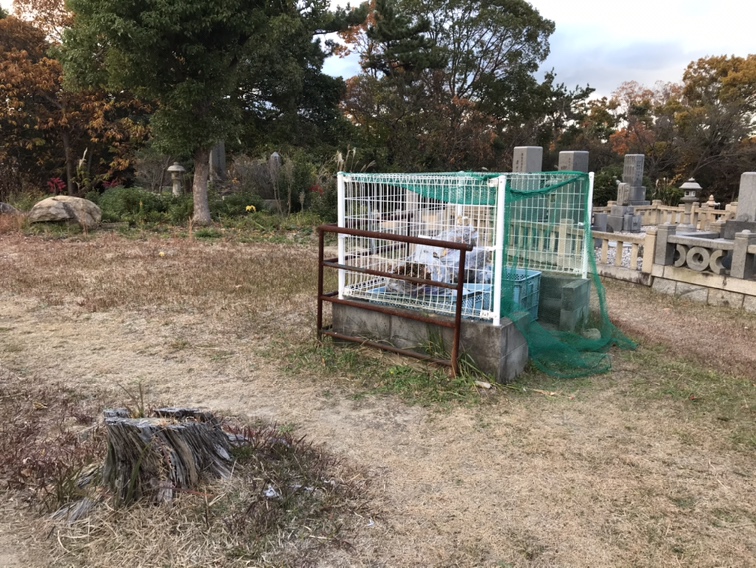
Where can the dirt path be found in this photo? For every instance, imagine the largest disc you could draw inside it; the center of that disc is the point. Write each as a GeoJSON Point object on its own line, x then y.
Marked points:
{"type": "Point", "coordinates": [587, 477]}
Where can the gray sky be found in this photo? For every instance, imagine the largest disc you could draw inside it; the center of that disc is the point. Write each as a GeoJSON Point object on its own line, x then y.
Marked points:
{"type": "Point", "coordinates": [603, 43]}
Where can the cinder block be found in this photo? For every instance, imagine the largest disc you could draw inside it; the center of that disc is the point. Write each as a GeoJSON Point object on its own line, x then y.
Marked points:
{"type": "Point", "coordinates": [575, 294]}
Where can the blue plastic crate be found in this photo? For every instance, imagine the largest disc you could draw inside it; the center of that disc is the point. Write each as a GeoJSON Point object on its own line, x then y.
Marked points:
{"type": "Point", "coordinates": [526, 289]}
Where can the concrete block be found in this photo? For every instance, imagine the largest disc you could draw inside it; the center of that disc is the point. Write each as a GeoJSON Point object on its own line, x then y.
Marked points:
{"type": "Point", "coordinates": [599, 221]}
{"type": "Point", "coordinates": [617, 210]}
{"type": "Point", "coordinates": [573, 320]}
{"type": "Point", "coordinates": [575, 294]}
{"type": "Point", "coordinates": [664, 286]}
{"type": "Point", "coordinates": [500, 351]}
{"type": "Point", "coordinates": [722, 298]}
{"type": "Point", "coordinates": [731, 228]}
{"type": "Point", "coordinates": [527, 159]}
{"type": "Point", "coordinates": [358, 322]}
{"type": "Point", "coordinates": [513, 364]}
{"type": "Point", "coordinates": [664, 253]}
{"type": "Point", "coordinates": [615, 224]}
{"type": "Point", "coordinates": [743, 264]}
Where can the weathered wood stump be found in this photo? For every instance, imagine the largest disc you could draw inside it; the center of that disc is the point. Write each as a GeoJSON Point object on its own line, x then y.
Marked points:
{"type": "Point", "coordinates": [173, 450]}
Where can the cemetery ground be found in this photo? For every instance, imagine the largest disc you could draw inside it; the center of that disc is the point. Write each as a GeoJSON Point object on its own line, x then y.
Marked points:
{"type": "Point", "coordinates": [649, 465]}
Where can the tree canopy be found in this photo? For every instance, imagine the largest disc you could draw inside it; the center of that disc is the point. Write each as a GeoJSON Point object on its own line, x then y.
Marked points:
{"type": "Point", "coordinates": [203, 63]}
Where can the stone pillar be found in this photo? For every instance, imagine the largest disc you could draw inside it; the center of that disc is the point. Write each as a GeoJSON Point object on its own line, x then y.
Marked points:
{"type": "Point", "coordinates": [665, 251]}
{"type": "Point", "coordinates": [747, 197]}
{"type": "Point", "coordinates": [527, 159]}
{"type": "Point", "coordinates": [573, 161]}
{"type": "Point", "coordinates": [743, 264]}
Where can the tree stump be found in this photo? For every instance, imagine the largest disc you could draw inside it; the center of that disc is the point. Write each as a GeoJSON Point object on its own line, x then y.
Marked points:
{"type": "Point", "coordinates": [173, 450]}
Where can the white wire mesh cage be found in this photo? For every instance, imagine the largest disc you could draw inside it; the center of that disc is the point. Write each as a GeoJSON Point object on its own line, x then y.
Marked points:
{"type": "Point", "coordinates": [465, 208]}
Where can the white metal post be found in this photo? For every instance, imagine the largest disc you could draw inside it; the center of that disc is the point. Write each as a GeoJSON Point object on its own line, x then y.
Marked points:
{"type": "Point", "coordinates": [499, 248]}
{"type": "Point", "coordinates": [341, 214]}
{"type": "Point", "coordinates": [587, 226]}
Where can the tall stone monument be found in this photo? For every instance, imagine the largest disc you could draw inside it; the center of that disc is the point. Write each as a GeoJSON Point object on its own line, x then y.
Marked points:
{"type": "Point", "coordinates": [630, 193]}
{"type": "Point", "coordinates": [745, 218]}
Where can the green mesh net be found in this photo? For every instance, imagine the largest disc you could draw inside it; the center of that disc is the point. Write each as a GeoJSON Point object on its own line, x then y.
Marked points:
{"type": "Point", "coordinates": [550, 287]}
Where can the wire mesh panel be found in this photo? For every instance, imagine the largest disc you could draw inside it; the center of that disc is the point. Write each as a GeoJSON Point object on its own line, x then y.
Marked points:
{"type": "Point", "coordinates": [447, 207]}
{"type": "Point", "coordinates": [534, 221]}
{"type": "Point", "coordinates": [546, 216]}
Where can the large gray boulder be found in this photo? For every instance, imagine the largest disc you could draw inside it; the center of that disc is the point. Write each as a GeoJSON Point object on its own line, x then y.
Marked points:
{"type": "Point", "coordinates": [8, 209]}
{"type": "Point", "coordinates": [65, 208]}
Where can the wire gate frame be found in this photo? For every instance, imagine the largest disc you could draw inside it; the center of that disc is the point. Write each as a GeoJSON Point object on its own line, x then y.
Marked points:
{"type": "Point", "coordinates": [332, 297]}
{"type": "Point", "coordinates": [431, 205]}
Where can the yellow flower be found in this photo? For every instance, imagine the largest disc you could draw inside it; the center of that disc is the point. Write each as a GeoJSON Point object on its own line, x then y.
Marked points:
{"type": "Point", "coordinates": [251, 208]}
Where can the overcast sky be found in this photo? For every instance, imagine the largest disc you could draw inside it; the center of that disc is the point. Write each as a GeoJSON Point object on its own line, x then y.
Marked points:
{"type": "Point", "coordinates": [604, 43]}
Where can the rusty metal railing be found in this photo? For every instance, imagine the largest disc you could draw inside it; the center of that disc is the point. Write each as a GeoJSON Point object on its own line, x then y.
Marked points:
{"type": "Point", "coordinates": [332, 297]}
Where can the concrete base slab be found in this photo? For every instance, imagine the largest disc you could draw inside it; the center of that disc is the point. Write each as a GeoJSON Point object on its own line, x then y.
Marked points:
{"type": "Point", "coordinates": [501, 352]}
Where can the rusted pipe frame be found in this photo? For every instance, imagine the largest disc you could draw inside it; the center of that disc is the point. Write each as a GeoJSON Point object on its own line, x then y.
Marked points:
{"type": "Point", "coordinates": [399, 238]}
{"type": "Point", "coordinates": [437, 283]}
{"type": "Point", "coordinates": [457, 325]}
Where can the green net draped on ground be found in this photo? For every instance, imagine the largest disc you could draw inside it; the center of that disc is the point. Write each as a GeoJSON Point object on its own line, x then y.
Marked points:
{"type": "Point", "coordinates": [550, 286]}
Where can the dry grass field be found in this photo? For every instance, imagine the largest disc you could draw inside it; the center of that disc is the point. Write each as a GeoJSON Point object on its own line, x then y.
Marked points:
{"type": "Point", "coordinates": [650, 465]}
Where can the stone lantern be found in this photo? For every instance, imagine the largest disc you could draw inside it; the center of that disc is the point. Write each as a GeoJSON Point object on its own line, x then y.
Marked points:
{"type": "Point", "coordinates": [176, 171]}
{"type": "Point", "coordinates": [691, 189]}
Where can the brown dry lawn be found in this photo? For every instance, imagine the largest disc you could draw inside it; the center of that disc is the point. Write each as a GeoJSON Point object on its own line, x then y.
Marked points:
{"type": "Point", "coordinates": [651, 465]}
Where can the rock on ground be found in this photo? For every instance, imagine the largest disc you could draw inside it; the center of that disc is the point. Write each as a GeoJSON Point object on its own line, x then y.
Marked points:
{"type": "Point", "coordinates": [8, 209]}
{"type": "Point", "coordinates": [66, 208]}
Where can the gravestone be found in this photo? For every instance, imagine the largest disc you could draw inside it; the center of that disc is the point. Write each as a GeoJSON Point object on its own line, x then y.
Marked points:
{"type": "Point", "coordinates": [527, 159]}
{"type": "Point", "coordinates": [630, 192]}
{"type": "Point", "coordinates": [745, 219]}
{"type": "Point", "coordinates": [573, 161]}
{"type": "Point", "coordinates": [569, 202]}
{"type": "Point", "coordinates": [747, 197]}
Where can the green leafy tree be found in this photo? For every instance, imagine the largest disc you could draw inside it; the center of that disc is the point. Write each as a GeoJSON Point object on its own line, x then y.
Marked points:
{"type": "Point", "coordinates": [446, 82]}
{"type": "Point", "coordinates": [203, 63]}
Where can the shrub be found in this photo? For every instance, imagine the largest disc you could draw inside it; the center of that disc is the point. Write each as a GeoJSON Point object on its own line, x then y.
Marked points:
{"type": "Point", "coordinates": [135, 205]}
{"type": "Point", "coordinates": [234, 204]}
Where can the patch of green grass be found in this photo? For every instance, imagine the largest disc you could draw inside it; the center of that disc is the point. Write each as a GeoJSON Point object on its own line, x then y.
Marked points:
{"type": "Point", "coordinates": [208, 233]}
{"type": "Point", "coordinates": [364, 371]}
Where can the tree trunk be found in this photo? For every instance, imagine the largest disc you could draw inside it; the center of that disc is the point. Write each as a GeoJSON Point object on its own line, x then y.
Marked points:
{"type": "Point", "coordinates": [199, 187]}
{"type": "Point", "coordinates": [175, 449]}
